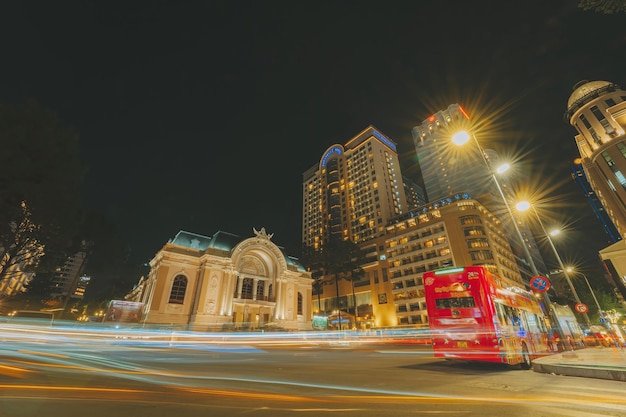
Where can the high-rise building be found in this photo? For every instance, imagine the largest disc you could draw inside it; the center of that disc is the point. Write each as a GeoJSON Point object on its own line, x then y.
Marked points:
{"type": "Point", "coordinates": [415, 196]}
{"type": "Point", "coordinates": [67, 277]}
{"type": "Point", "coordinates": [353, 191]}
{"type": "Point", "coordinates": [449, 169]}
{"type": "Point", "coordinates": [578, 175]}
{"type": "Point", "coordinates": [597, 110]}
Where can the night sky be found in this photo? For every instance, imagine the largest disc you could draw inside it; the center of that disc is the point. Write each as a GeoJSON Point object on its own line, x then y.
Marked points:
{"type": "Point", "coordinates": [203, 115]}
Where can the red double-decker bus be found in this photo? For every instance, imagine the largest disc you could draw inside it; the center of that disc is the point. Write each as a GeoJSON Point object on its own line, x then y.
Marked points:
{"type": "Point", "coordinates": [476, 315]}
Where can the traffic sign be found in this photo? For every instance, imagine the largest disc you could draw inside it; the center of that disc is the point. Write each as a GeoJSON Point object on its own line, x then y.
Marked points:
{"type": "Point", "coordinates": [539, 283]}
{"type": "Point", "coordinates": [581, 308]}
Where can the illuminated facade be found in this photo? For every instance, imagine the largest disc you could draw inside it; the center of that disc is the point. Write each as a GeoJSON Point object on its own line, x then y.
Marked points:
{"type": "Point", "coordinates": [68, 280]}
{"type": "Point", "coordinates": [19, 272]}
{"type": "Point", "coordinates": [415, 196]}
{"type": "Point", "coordinates": [353, 191]}
{"type": "Point", "coordinates": [449, 169]}
{"type": "Point", "coordinates": [14, 279]}
{"type": "Point", "coordinates": [224, 282]}
{"type": "Point", "coordinates": [453, 231]}
{"type": "Point", "coordinates": [360, 185]}
{"type": "Point", "coordinates": [578, 174]}
{"type": "Point", "coordinates": [597, 110]}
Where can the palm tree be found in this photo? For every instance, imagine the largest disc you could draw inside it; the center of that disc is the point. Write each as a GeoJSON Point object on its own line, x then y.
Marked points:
{"type": "Point", "coordinates": [339, 259]}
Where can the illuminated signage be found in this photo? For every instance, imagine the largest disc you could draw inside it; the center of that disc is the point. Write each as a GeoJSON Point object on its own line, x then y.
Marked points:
{"type": "Point", "coordinates": [449, 271]}
{"type": "Point", "coordinates": [334, 149]}
{"type": "Point", "coordinates": [454, 287]}
{"type": "Point", "coordinates": [385, 140]}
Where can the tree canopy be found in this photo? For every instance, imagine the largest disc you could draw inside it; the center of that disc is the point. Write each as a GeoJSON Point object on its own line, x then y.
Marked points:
{"type": "Point", "coordinates": [603, 6]}
{"type": "Point", "coordinates": [337, 259]}
{"type": "Point", "coordinates": [40, 178]}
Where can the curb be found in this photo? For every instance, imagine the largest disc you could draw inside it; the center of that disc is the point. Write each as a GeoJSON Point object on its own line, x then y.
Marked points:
{"type": "Point", "coordinates": [599, 372]}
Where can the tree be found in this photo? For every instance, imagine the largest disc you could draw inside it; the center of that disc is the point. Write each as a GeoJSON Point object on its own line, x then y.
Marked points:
{"type": "Point", "coordinates": [337, 260]}
{"type": "Point", "coordinates": [311, 259]}
{"type": "Point", "coordinates": [108, 261]}
{"type": "Point", "coordinates": [40, 176]}
{"type": "Point", "coordinates": [603, 6]}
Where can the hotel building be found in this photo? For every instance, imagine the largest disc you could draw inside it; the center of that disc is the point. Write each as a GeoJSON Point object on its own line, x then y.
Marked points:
{"type": "Point", "coordinates": [356, 192]}
{"type": "Point", "coordinates": [353, 191]}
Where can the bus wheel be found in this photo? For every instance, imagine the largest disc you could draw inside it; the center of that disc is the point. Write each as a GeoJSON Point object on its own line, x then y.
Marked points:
{"type": "Point", "coordinates": [526, 361]}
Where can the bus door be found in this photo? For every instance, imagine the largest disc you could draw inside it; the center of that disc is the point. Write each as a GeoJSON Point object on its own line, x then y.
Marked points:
{"type": "Point", "coordinates": [508, 331]}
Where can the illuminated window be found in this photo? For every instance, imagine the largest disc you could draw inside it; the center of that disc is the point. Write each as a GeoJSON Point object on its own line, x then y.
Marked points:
{"type": "Point", "coordinates": [246, 288]}
{"type": "Point", "coordinates": [470, 220]}
{"type": "Point", "coordinates": [620, 178]}
{"type": "Point", "coordinates": [481, 255]}
{"type": "Point", "coordinates": [596, 112]}
{"type": "Point", "coordinates": [608, 159]}
{"type": "Point", "coordinates": [466, 205]}
{"type": "Point", "coordinates": [260, 289]}
{"type": "Point", "coordinates": [622, 148]}
{"type": "Point", "coordinates": [179, 286]}
{"type": "Point", "coordinates": [585, 121]}
{"type": "Point", "coordinates": [477, 243]}
{"type": "Point", "coordinates": [474, 231]}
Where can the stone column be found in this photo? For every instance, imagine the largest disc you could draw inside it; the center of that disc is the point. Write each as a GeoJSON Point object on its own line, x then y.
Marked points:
{"type": "Point", "coordinates": [255, 285]}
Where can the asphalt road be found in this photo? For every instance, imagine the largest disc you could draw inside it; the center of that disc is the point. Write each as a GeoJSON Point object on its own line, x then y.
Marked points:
{"type": "Point", "coordinates": [60, 373]}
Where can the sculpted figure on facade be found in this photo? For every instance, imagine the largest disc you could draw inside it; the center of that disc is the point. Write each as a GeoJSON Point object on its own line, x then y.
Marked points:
{"type": "Point", "coordinates": [262, 233]}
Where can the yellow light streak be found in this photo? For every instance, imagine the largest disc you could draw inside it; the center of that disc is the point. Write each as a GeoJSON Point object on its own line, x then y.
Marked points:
{"type": "Point", "coordinates": [34, 352]}
{"type": "Point", "coordinates": [262, 396]}
{"type": "Point", "coordinates": [82, 368]}
{"type": "Point", "coordinates": [13, 371]}
{"type": "Point", "coordinates": [70, 388]}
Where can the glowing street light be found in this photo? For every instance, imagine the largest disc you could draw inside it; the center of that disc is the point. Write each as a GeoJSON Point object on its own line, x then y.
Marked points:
{"type": "Point", "coordinates": [525, 205]}
{"type": "Point", "coordinates": [460, 139]}
{"type": "Point", "coordinates": [503, 168]}
{"type": "Point", "coordinates": [593, 294]}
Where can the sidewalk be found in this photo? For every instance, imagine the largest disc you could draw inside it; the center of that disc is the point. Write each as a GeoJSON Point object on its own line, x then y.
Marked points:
{"type": "Point", "coordinates": [592, 362]}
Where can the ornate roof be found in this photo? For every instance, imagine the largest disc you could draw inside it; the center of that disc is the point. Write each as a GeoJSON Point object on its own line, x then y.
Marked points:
{"type": "Point", "coordinates": [584, 88]}
{"type": "Point", "coordinates": [226, 242]}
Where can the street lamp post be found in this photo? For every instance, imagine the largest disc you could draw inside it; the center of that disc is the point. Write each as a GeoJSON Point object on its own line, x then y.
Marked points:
{"type": "Point", "coordinates": [463, 137]}
{"type": "Point", "coordinates": [525, 206]}
{"type": "Point", "coordinates": [593, 294]}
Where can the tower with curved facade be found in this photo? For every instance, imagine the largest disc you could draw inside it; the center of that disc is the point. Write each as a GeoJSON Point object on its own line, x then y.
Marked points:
{"type": "Point", "coordinates": [597, 110]}
{"type": "Point", "coordinates": [353, 191]}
